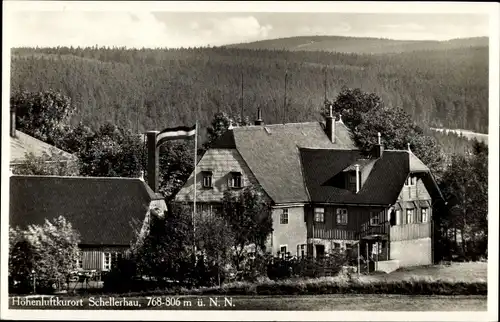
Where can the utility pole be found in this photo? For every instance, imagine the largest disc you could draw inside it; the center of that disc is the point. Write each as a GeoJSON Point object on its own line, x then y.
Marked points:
{"type": "Point", "coordinates": [325, 83]}
{"type": "Point", "coordinates": [241, 98]}
{"type": "Point", "coordinates": [284, 99]}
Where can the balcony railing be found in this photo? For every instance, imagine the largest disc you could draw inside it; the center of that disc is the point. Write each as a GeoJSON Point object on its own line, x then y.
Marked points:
{"type": "Point", "coordinates": [328, 233]}
{"type": "Point", "coordinates": [367, 229]}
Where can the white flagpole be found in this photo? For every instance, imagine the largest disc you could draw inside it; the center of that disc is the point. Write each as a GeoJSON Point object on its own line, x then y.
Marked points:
{"type": "Point", "coordinates": [194, 198]}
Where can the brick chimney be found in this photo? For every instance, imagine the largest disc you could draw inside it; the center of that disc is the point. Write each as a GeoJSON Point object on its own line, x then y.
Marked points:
{"type": "Point", "coordinates": [259, 121]}
{"type": "Point", "coordinates": [12, 121]}
{"type": "Point", "coordinates": [379, 148]}
{"type": "Point", "coordinates": [330, 125]}
{"type": "Point", "coordinates": [153, 160]}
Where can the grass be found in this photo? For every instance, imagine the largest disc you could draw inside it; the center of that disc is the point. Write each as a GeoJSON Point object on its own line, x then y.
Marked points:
{"type": "Point", "coordinates": [459, 272]}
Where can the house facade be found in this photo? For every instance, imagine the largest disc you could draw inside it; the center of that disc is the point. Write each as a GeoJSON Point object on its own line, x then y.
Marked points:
{"type": "Point", "coordinates": [325, 193]}
{"type": "Point", "coordinates": [108, 213]}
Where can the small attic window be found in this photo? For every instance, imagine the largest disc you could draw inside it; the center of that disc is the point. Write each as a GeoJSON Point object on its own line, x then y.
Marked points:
{"type": "Point", "coordinates": [207, 178]}
{"type": "Point", "coordinates": [235, 180]}
{"type": "Point", "coordinates": [411, 180]}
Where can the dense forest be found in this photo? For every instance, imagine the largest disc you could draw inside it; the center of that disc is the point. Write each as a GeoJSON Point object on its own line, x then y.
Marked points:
{"type": "Point", "coordinates": [143, 89]}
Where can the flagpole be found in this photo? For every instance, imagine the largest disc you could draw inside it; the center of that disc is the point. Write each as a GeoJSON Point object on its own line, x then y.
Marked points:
{"type": "Point", "coordinates": [194, 197]}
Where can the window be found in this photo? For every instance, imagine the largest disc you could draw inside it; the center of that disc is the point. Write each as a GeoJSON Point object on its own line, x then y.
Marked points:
{"type": "Point", "coordinates": [301, 250]}
{"type": "Point", "coordinates": [398, 217]}
{"type": "Point", "coordinates": [115, 257]}
{"type": "Point", "coordinates": [341, 216]}
{"type": "Point", "coordinates": [79, 261]}
{"type": "Point", "coordinates": [110, 259]}
{"type": "Point", "coordinates": [107, 261]}
{"type": "Point", "coordinates": [374, 218]}
{"type": "Point", "coordinates": [319, 214]}
{"type": "Point", "coordinates": [411, 180]}
{"type": "Point", "coordinates": [207, 179]}
{"type": "Point", "coordinates": [352, 177]}
{"type": "Point", "coordinates": [336, 245]}
{"type": "Point", "coordinates": [409, 216]}
{"type": "Point", "coordinates": [283, 251]}
{"type": "Point", "coordinates": [236, 180]}
{"type": "Point", "coordinates": [284, 217]}
{"type": "Point", "coordinates": [425, 214]}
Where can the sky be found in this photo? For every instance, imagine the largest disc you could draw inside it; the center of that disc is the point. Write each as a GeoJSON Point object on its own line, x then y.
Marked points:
{"type": "Point", "coordinates": [156, 28]}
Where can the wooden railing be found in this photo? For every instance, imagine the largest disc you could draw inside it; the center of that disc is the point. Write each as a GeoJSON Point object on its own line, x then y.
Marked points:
{"type": "Point", "coordinates": [411, 231]}
{"type": "Point", "coordinates": [380, 229]}
{"type": "Point", "coordinates": [324, 233]}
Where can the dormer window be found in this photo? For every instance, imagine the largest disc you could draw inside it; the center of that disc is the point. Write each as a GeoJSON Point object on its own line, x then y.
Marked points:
{"type": "Point", "coordinates": [236, 180]}
{"type": "Point", "coordinates": [207, 179]}
{"type": "Point", "coordinates": [351, 180]}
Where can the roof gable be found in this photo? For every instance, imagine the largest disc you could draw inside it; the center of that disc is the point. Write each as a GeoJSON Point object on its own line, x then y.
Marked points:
{"type": "Point", "coordinates": [103, 210]}
{"type": "Point", "coordinates": [24, 143]}
{"type": "Point", "coordinates": [272, 154]}
{"type": "Point", "coordinates": [416, 165]}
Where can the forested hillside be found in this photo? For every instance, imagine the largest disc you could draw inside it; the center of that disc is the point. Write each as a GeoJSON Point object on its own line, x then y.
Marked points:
{"type": "Point", "coordinates": [360, 45]}
{"type": "Point", "coordinates": [155, 88]}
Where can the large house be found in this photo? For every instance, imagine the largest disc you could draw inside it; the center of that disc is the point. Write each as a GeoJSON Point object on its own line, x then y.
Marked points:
{"type": "Point", "coordinates": [325, 193]}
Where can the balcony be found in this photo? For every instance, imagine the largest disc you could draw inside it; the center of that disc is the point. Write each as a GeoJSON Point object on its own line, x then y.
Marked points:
{"type": "Point", "coordinates": [329, 233]}
{"type": "Point", "coordinates": [379, 231]}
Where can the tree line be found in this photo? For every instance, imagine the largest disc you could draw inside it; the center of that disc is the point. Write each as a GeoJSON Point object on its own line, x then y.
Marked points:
{"type": "Point", "coordinates": [144, 89]}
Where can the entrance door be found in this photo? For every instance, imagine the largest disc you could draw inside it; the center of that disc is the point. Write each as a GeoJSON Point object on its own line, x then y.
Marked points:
{"type": "Point", "coordinates": [320, 251]}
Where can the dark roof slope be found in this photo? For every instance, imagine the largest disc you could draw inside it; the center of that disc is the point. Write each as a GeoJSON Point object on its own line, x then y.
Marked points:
{"type": "Point", "coordinates": [103, 210]}
{"type": "Point", "coordinates": [271, 152]}
{"type": "Point", "coordinates": [322, 166]}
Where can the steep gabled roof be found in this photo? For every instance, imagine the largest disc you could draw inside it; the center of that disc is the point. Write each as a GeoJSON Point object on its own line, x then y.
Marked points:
{"type": "Point", "coordinates": [24, 143]}
{"type": "Point", "coordinates": [416, 165]}
{"type": "Point", "coordinates": [382, 187]}
{"type": "Point", "coordinates": [103, 210]}
{"type": "Point", "coordinates": [271, 152]}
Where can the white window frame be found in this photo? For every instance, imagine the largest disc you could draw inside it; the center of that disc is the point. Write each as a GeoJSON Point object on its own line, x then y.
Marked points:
{"type": "Point", "coordinates": [319, 211]}
{"type": "Point", "coordinates": [285, 253]}
{"type": "Point", "coordinates": [106, 267]}
{"type": "Point", "coordinates": [408, 212]}
{"type": "Point", "coordinates": [234, 179]}
{"type": "Point", "coordinates": [398, 217]}
{"type": "Point", "coordinates": [374, 215]}
{"type": "Point", "coordinates": [424, 214]}
{"type": "Point", "coordinates": [343, 215]}
{"type": "Point", "coordinates": [284, 217]}
{"type": "Point", "coordinates": [207, 180]}
{"type": "Point", "coordinates": [411, 180]}
{"type": "Point", "coordinates": [301, 250]}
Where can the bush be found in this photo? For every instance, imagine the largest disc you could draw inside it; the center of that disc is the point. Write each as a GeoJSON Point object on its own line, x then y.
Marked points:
{"type": "Point", "coordinates": [287, 267]}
